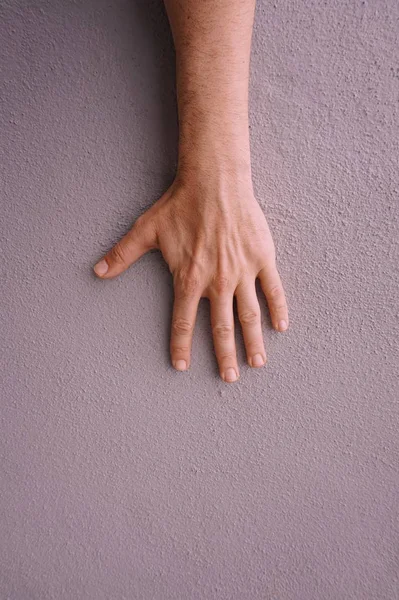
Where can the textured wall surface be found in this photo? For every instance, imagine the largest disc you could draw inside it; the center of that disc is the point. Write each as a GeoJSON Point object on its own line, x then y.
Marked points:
{"type": "Point", "coordinates": [120, 478]}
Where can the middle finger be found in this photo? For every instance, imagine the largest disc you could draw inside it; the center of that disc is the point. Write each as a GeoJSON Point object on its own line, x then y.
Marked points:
{"type": "Point", "coordinates": [222, 321]}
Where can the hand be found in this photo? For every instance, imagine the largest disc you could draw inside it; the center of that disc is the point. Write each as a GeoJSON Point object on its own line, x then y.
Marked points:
{"type": "Point", "coordinates": [215, 239]}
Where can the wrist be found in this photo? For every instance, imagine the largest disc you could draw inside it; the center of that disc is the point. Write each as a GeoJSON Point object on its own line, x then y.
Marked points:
{"type": "Point", "coordinates": [216, 171]}
{"type": "Point", "coordinates": [217, 146]}
{"type": "Point", "coordinates": [214, 162]}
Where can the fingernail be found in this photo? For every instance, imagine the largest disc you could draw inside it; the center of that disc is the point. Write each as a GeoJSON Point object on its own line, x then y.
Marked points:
{"type": "Point", "coordinates": [230, 375]}
{"type": "Point", "coordinates": [101, 267]}
{"type": "Point", "coordinates": [257, 361]}
{"type": "Point", "coordinates": [282, 325]}
{"type": "Point", "coordinates": [180, 365]}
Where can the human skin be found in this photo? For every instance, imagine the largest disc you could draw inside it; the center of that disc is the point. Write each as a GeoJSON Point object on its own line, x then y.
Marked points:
{"type": "Point", "coordinates": [208, 225]}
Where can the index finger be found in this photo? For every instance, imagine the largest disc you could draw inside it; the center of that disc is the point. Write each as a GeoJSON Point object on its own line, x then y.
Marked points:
{"type": "Point", "coordinates": [185, 309]}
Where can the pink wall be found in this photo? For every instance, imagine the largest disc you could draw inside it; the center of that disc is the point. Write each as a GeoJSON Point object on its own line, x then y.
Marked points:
{"type": "Point", "coordinates": [122, 479]}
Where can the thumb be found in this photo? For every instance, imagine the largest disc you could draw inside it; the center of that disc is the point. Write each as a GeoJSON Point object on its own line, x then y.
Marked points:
{"type": "Point", "coordinates": [130, 248]}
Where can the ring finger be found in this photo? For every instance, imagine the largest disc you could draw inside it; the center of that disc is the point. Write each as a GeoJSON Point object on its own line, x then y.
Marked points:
{"type": "Point", "coordinates": [250, 319]}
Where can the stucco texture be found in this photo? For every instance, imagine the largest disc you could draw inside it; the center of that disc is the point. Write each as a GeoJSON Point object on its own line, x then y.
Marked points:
{"type": "Point", "coordinates": [121, 478]}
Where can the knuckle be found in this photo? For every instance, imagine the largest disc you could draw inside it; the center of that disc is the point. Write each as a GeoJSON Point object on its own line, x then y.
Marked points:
{"type": "Point", "coordinates": [190, 285]}
{"type": "Point", "coordinates": [187, 284]}
{"type": "Point", "coordinates": [179, 350]}
{"type": "Point", "coordinates": [222, 330]}
{"type": "Point", "coordinates": [229, 357]}
{"type": "Point", "coordinates": [276, 291]}
{"type": "Point", "coordinates": [181, 326]}
{"type": "Point", "coordinates": [220, 283]}
{"type": "Point", "coordinates": [281, 306]}
{"type": "Point", "coordinates": [118, 254]}
{"type": "Point", "coordinates": [254, 346]}
{"type": "Point", "coordinates": [249, 317]}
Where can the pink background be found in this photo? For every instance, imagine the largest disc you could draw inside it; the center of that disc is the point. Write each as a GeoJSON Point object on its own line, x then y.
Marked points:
{"type": "Point", "coordinates": [120, 478]}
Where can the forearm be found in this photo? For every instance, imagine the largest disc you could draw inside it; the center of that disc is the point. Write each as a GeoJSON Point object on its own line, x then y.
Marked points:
{"type": "Point", "coordinates": [213, 41]}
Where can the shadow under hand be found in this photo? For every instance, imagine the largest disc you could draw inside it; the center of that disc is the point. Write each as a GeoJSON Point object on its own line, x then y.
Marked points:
{"type": "Point", "coordinates": [151, 26]}
{"type": "Point", "coordinates": [157, 65]}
